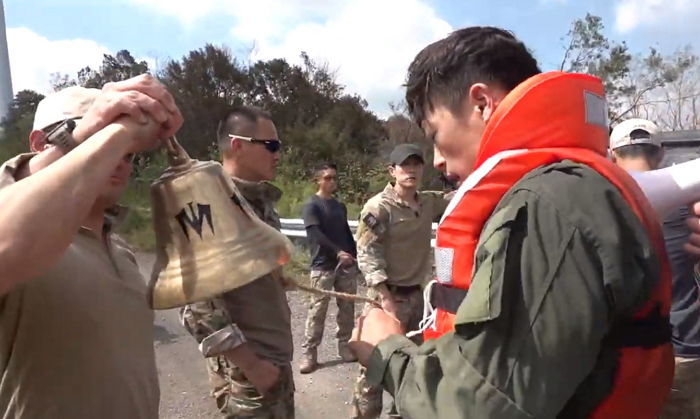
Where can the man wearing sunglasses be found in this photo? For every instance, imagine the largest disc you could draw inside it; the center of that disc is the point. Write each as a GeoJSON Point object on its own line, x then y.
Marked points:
{"type": "Point", "coordinates": [76, 332]}
{"type": "Point", "coordinates": [250, 365]}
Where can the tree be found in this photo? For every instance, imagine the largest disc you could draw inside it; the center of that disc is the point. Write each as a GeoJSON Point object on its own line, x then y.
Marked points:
{"type": "Point", "coordinates": [118, 67]}
{"type": "Point", "coordinates": [24, 103]}
{"type": "Point", "coordinates": [653, 86]}
{"type": "Point", "coordinates": [205, 83]}
{"type": "Point", "coordinates": [589, 51]}
{"type": "Point", "coordinates": [17, 125]}
{"type": "Point", "coordinates": [674, 105]}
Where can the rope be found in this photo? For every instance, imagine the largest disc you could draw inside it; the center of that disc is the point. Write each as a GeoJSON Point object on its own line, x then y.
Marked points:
{"type": "Point", "coordinates": [336, 294]}
{"type": "Point", "coordinates": [288, 280]}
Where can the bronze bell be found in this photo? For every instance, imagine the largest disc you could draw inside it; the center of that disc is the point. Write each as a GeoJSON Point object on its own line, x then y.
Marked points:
{"type": "Point", "coordinates": [208, 239]}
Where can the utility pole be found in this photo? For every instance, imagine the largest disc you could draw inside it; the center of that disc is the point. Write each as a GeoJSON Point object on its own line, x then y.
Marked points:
{"type": "Point", "coordinates": [6, 94]}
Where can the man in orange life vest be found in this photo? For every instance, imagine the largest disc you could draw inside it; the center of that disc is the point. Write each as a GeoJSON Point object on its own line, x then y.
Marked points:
{"type": "Point", "coordinates": [566, 313]}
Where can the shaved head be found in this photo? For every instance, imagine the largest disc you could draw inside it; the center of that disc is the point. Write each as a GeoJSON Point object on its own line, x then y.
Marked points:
{"type": "Point", "coordinates": [242, 120]}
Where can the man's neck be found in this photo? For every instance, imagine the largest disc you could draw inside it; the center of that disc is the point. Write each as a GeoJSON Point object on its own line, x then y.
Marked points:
{"type": "Point", "coordinates": [238, 172]}
{"type": "Point", "coordinates": [406, 194]}
{"type": "Point", "coordinates": [324, 195]}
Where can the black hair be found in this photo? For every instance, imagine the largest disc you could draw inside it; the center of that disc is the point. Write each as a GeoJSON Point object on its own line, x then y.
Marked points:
{"type": "Point", "coordinates": [239, 121]}
{"type": "Point", "coordinates": [443, 71]}
{"type": "Point", "coordinates": [324, 166]}
{"type": "Point", "coordinates": [648, 151]}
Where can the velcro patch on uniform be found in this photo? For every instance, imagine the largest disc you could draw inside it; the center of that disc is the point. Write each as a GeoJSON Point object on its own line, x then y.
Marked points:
{"type": "Point", "coordinates": [444, 257]}
{"type": "Point", "coordinates": [596, 109]}
{"type": "Point", "coordinates": [372, 222]}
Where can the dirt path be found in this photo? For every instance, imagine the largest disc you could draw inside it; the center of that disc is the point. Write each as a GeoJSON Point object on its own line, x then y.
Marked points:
{"type": "Point", "coordinates": [183, 382]}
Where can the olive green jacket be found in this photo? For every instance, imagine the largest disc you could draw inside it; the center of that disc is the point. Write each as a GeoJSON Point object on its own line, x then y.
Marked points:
{"type": "Point", "coordinates": [559, 261]}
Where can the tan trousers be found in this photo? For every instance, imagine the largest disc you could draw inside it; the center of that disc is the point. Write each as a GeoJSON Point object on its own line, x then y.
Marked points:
{"type": "Point", "coordinates": [684, 400]}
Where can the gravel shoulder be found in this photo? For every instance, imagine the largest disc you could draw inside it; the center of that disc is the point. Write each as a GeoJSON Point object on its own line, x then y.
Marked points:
{"type": "Point", "coordinates": [183, 380]}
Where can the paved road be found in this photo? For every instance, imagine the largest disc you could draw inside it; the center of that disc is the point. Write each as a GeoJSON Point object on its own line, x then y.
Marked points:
{"type": "Point", "coordinates": [184, 388]}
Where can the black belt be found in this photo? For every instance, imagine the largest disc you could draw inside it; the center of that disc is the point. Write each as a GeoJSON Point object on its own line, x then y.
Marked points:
{"type": "Point", "coordinates": [447, 298]}
{"type": "Point", "coordinates": [403, 290]}
{"type": "Point", "coordinates": [648, 332]}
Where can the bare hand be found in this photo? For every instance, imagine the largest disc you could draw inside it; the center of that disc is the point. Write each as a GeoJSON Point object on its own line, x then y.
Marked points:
{"type": "Point", "coordinates": [137, 97]}
{"type": "Point", "coordinates": [389, 305]}
{"type": "Point", "coordinates": [143, 137]}
{"type": "Point", "coordinates": [371, 329]}
{"type": "Point", "coordinates": [263, 376]}
{"type": "Point", "coordinates": [345, 258]}
{"type": "Point", "coordinates": [693, 222]}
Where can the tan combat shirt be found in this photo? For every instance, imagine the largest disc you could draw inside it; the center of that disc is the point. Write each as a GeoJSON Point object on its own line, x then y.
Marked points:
{"type": "Point", "coordinates": [393, 239]}
{"type": "Point", "coordinates": [259, 309]}
{"type": "Point", "coordinates": [77, 341]}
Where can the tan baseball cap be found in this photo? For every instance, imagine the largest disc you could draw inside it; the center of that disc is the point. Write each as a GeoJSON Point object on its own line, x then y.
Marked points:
{"type": "Point", "coordinates": [71, 102]}
{"type": "Point", "coordinates": [622, 134]}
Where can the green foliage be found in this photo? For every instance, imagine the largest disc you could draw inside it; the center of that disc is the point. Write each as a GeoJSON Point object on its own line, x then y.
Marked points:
{"type": "Point", "coordinates": [137, 227]}
{"type": "Point", "coordinates": [589, 51]}
{"type": "Point", "coordinates": [117, 67]}
{"type": "Point", "coordinates": [663, 88]}
{"type": "Point", "coordinates": [15, 128]}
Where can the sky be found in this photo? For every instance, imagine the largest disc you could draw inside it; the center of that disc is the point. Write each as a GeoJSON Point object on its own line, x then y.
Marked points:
{"type": "Point", "coordinates": [368, 43]}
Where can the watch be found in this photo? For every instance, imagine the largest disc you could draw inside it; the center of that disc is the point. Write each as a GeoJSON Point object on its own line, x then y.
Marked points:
{"type": "Point", "coordinates": [62, 136]}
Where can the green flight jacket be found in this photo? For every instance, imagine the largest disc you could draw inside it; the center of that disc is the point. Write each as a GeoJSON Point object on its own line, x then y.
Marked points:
{"type": "Point", "coordinates": [561, 258]}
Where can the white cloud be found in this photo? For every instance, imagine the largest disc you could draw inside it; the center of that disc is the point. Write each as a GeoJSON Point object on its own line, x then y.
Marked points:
{"type": "Point", "coordinates": [267, 17]}
{"type": "Point", "coordinates": [371, 51]}
{"type": "Point", "coordinates": [369, 42]}
{"type": "Point", "coordinates": [667, 14]}
{"type": "Point", "coordinates": [33, 58]}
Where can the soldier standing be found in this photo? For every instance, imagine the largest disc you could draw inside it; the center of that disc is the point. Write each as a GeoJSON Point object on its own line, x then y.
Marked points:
{"type": "Point", "coordinates": [245, 334]}
{"type": "Point", "coordinates": [76, 333]}
{"type": "Point", "coordinates": [394, 253]}
{"type": "Point", "coordinates": [332, 266]}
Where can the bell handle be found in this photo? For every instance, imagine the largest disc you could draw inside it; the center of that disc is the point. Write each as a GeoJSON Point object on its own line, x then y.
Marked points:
{"type": "Point", "coordinates": [177, 156]}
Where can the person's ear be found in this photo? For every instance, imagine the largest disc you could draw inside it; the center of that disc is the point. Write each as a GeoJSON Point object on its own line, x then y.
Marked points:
{"type": "Point", "coordinates": [484, 99]}
{"type": "Point", "coordinates": [37, 141]}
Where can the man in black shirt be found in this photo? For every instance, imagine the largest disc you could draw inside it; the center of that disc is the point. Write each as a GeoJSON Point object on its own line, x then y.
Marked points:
{"type": "Point", "coordinates": [332, 266]}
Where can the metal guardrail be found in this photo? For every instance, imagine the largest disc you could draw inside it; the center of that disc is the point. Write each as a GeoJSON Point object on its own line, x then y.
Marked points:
{"type": "Point", "coordinates": [294, 227]}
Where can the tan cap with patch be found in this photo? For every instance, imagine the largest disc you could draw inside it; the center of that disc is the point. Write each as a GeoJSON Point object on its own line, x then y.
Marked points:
{"type": "Point", "coordinates": [71, 102]}
{"type": "Point", "coordinates": [622, 134]}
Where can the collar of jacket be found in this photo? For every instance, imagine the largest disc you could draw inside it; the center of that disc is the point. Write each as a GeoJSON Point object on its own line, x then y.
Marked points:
{"type": "Point", "coordinates": [549, 110]}
{"type": "Point", "coordinates": [258, 191]}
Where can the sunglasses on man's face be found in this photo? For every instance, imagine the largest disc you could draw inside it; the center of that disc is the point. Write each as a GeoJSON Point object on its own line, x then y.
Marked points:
{"type": "Point", "coordinates": [272, 145]}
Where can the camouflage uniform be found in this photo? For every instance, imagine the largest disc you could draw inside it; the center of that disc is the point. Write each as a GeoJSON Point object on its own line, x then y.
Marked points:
{"type": "Point", "coordinates": [393, 248]}
{"type": "Point", "coordinates": [343, 280]}
{"type": "Point", "coordinates": [215, 325]}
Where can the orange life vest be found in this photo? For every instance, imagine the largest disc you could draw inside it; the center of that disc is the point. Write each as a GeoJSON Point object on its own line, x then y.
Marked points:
{"type": "Point", "coordinates": [546, 119]}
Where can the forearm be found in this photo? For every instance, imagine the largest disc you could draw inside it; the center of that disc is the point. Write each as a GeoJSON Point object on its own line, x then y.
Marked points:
{"type": "Point", "coordinates": [42, 212]}
{"type": "Point", "coordinates": [243, 357]}
{"type": "Point", "coordinates": [370, 261]}
{"type": "Point", "coordinates": [314, 232]}
{"type": "Point", "coordinates": [38, 162]}
{"type": "Point", "coordinates": [434, 380]}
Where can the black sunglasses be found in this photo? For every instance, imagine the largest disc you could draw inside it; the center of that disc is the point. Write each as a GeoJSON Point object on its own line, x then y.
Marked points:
{"type": "Point", "coordinates": [273, 146]}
